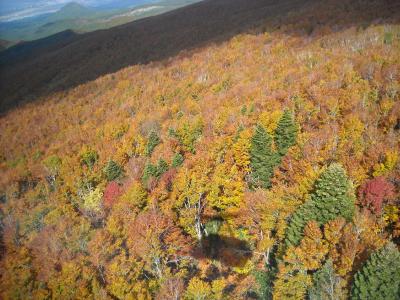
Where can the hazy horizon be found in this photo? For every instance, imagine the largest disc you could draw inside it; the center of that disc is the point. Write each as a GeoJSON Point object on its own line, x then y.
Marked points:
{"type": "Point", "coordinates": [20, 9]}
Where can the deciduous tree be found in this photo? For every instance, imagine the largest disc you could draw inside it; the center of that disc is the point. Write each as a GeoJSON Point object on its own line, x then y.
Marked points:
{"type": "Point", "coordinates": [373, 193]}
{"type": "Point", "coordinates": [327, 285]}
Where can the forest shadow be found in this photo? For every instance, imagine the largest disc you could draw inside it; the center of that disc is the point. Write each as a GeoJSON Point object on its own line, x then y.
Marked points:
{"type": "Point", "coordinates": [37, 69]}
{"type": "Point", "coordinates": [228, 250]}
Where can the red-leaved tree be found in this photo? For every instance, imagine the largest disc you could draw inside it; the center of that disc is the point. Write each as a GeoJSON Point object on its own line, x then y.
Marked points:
{"type": "Point", "coordinates": [373, 193]}
{"type": "Point", "coordinates": [111, 193]}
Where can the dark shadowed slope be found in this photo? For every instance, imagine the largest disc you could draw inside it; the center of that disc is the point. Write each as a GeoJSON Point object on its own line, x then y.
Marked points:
{"type": "Point", "coordinates": [28, 50]}
{"type": "Point", "coordinates": [32, 70]}
{"type": "Point", "coordinates": [4, 44]}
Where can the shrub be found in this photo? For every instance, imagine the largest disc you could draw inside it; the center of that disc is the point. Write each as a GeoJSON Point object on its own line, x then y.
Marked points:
{"type": "Point", "coordinates": [388, 38]}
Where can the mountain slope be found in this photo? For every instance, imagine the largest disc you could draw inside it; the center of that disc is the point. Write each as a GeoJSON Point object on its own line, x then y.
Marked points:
{"type": "Point", "coordinates": [138, 42]}
{"type": "Point", "coordinates": [85, 19]}
{"type": "Point", "coordinates": [266, 165]}
{"type": "Point", "coordinates": [91, 55]}
{"type": "Point", "coordinates": [27, 50]}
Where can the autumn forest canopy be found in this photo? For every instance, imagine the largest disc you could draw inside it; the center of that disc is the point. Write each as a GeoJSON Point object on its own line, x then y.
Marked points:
{"type": "Point", "coordinates": [260, 165]}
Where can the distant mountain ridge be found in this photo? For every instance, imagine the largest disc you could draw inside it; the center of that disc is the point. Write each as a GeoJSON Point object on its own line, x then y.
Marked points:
{"type": "Point", "coordinates": [73, 10]}
{"type": "Point", "coordinates": [83, 18]}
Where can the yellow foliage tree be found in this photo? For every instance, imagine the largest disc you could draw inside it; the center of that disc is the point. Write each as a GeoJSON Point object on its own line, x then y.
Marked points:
{"type": "Point", "coordinates": [73, 282]}
{"type": "Point", "coordinates": [388, 165]}
{"type": "Point", "coordinates": [241, 150]}
{"type": "Point", "coordinates": [92, 200]}
{"type": "Point", "coordinates": [123, 277]}
{"type": "Point", "coordinates": [226, 188]}
{"type": "Point", "coordinates": [291, 286]}
{"type": "Point", "coordinates": [313, 248]}
{"type": "Point", "coordinates": [188, 195]}
{"type": "Point", "coordinates": [350, 135]}
{"type": "Point", "coordinates": [270, 120]}
{"type": "Point", "coordinates": [198, 290]}
{"type": "Point", "coordinates": [135, 195]}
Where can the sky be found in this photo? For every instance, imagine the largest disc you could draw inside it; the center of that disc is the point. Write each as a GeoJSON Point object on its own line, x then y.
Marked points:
{"type": "Point", "coordinates": [11, 10]}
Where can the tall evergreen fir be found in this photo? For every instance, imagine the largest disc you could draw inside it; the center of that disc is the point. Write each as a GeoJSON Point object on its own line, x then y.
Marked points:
{"type": "Point", "coordinates": [333, 197]}
{"type": "Point", "coordinates": [177, 160]}
{"type": "Point", "coordinates": [265, 281]}
{"type": "Point", "coordinates": [379, 278]}
{"type": "Point", "coordinates": [153, 141]}
{"type": "Point", "coordinates": [162, 167]}
{"type": "Point", "coordinates": [298, 221]}
{"type": "Point", "coordinates": [112, 170]}
{"type": "Point", "coordinates": [262, 158]}
{"type": "Point", "coordinates": [149, 171]}
{"type": "Point", "coordinates": [285, 133]}
{"type": "Point", "coordinates": [155, 171]}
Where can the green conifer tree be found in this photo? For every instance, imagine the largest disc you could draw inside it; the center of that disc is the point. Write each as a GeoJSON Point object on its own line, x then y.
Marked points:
{"type": "Point", "coordinates": [162, 167]}
{"type": "Point", "coordinates": [285, 133]}
{"type": "Point", "coordinates": [149, 171]}
{"type": "Point", "coordinates": [152, 142]}
{"type": "Point", "coordinates": [262, 158]}
{"type": "Point", "coordinates": [298, 221]}
{"type": "Point", "coordinates": [112, 170]}
{"type": "Point", "coordinates": [156, 171]}
{"type": "Point", "coordinates": [177, 160]}
{"type": "Point", "coordinates": [333, 197]}
{"type": "Point", "coordinates": [379, 278]}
